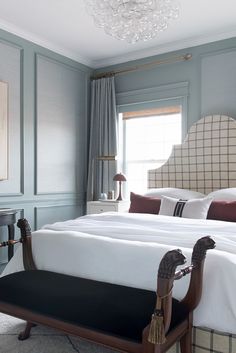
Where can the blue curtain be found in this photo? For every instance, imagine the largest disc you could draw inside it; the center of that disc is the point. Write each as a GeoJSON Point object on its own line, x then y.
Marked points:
{"type": "Point", "coordinates": [103, 137]}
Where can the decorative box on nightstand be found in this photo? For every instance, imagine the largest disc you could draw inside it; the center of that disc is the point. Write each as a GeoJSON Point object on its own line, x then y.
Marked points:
{"type": "Point", "coordinates": [107, 206]}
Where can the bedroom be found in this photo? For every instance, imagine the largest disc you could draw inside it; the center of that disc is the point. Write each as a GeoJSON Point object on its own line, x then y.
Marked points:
{"type": "Point", "coordinates": [35, 75]}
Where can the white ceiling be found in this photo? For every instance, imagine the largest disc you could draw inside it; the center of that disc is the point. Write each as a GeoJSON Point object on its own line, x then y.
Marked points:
{"type": "Point", "coordinates": [65, 27]}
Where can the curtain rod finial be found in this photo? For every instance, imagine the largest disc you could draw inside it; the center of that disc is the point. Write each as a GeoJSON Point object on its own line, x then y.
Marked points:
{"type": "Point", "coordinates": [188, 56]}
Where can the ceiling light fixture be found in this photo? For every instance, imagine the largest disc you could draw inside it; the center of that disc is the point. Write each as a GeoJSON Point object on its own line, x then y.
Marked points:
{"type": "Point", "coordinates": [133, 20]}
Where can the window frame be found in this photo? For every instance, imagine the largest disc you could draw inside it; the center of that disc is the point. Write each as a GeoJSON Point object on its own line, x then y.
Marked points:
{"type": "Point", "coordinates": [123, 141]}
{"type": "Point", "coordinates": [154, 97]}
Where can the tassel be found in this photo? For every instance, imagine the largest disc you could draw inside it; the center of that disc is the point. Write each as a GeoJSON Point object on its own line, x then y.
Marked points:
{"type": "Point", "coordinates": [157, 331]}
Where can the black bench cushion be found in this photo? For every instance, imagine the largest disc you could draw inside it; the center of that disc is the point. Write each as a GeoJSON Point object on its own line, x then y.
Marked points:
{"type": "Point", "coordinates": [114, 309]}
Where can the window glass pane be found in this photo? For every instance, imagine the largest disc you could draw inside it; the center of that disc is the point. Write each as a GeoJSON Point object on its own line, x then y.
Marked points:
{"type": "Point", "coordinates": [148, 143]}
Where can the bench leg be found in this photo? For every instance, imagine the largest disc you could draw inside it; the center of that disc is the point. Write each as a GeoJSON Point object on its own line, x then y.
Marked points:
{"type": "Point", "coordinates": [186, 343]}
{"type": "Point", "coordinates": [26, 333]}
{"type": "Point", "coordinates": [186, 340]}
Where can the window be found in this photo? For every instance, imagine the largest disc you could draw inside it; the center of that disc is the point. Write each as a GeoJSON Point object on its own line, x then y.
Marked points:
{"type": "Point", "coordinates": [148, 137]}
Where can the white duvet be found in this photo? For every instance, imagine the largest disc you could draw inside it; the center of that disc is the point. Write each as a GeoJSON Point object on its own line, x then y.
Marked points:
{"type": "Point", "coordinates": [127, 248]}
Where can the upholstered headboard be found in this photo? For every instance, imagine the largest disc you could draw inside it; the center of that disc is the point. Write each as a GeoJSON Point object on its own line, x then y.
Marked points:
{"type": "Point", "coordinates": [205, 161]}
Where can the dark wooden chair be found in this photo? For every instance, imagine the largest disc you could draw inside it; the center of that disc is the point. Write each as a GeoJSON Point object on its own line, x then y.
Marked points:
{"type": "Point", "coordinates": [125, 319]}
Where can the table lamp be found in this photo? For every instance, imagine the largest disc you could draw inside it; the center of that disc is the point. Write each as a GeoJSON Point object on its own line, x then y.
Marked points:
{"type": "Point", "coordinates": [119, 177]}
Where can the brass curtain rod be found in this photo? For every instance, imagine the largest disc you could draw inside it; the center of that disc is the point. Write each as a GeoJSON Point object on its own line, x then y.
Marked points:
{"type": "Point", "coordinates": [170, 60]}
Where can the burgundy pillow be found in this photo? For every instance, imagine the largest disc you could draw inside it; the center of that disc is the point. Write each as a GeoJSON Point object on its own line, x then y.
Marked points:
{"type": "Point", "coordinates": [222, 211]}
{"type": "Point", "coordinates": [144, 204]}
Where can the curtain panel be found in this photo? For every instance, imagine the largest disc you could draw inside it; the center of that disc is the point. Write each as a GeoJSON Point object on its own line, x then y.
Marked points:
{"type": "Point", "coordinates": [103, 138]}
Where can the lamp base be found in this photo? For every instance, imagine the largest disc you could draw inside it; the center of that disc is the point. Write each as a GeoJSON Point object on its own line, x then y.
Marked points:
{"type": "Point", "coordinates": [119, 198]}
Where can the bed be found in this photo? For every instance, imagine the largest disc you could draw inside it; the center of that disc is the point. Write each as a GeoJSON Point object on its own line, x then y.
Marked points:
{"type": "Point", "coordinates": [205, 163]}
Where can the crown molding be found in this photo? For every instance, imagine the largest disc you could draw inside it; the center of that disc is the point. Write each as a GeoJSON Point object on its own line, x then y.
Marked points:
{"type": "Point", "coordinates": [162, 49]}
{"type": "Point", "coordinates": [118, 59]}
{"type": "Point", "coordinates": [9, 27]}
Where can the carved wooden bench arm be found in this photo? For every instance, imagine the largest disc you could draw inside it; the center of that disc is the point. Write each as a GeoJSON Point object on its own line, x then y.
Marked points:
{"type": "Point", "coordinates": [26, 244]}
{"type": "Point", "coordinates": [161, 317]}
{"type": "Point", "coordinates": [166, 277]}
{"type": "Point", "coordinates": [194, 292]}
{"type": "Point", "coordinates": [25, 239]}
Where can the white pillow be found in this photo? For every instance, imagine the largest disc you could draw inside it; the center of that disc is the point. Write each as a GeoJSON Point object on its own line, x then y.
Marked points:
{"type": "Point", "coordinates": [194, 208]}
{"type": "Point", "coordinates": [224, 194]}
{"type": "Point", "coordinates": [175, 192]}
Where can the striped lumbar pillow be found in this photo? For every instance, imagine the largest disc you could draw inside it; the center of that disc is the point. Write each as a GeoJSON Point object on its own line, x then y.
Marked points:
{"type": "Point", "coordinates": [194, 208]}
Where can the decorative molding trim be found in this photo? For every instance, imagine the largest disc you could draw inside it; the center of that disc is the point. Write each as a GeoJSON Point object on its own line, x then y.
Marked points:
{"type": "Point", "coordinates": [208, 55]}
{"type": "Point", "coordinates": [62, 63]}
{"type": "Point", "coordinates": [155, 89]}
{"type": "Point", "coordinates": [10, 195]}
{"type": "Point", "coordinates": [162, 49]}
{"type": "Point", "coordinates": [53, 193]}
{"type": "Point", "coordinates": [9, 27]}
{"type": "Point", "coordinates": [38, 208]}
{"type": "Point", "coordinates": [170, 91]}
{"type": "Point", "coordinates": [22, 173]}
{"type": "Point", "coordinates": [217, 52]}
{"type": "Point", "coordinates": [76, 199]}
{"type": "Point", "coordinates": [57, 206]}
{"type": "Point", "coordinates": [11, 43]}
{"type": "Point", "coordinates": [139, 54]}
{"type": "Point", "coordinates": [69, 67]}
{"type": "Point", "coordinates": [74, 202]}
{"type": "Point", "coordinates": [35, 167]}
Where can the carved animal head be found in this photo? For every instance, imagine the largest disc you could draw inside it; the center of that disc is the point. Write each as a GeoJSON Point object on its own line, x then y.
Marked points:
{"type": "Point", "coordinates": [169, 262]}
{"type": "Point", "coordinates": [200, 249]}
{"type": "Point", "coordinates": [24, 226]}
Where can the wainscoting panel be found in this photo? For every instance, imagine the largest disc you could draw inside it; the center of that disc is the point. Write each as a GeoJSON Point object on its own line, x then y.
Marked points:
{"type": "Point", "coordinates": [11, 72]}
{"type": "Point", "coordinates": [50, 214]}
{"type": "Point", "coordinates": [58, 91]}
{"type": "Point", "coordinates": [218, 83]}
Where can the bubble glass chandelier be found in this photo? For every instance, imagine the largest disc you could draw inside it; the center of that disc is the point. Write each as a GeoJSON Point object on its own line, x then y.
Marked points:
{"type": "Point", "coordinates": [133, 20]}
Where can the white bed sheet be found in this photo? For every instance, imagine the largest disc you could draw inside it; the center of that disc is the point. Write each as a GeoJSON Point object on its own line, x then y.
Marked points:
{"type": "Point", "coordinates": [126, 249]}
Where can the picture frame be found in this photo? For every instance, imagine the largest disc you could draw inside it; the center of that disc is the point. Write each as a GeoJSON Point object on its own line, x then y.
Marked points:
{"type": "Point", "coordinates": [3, 130]}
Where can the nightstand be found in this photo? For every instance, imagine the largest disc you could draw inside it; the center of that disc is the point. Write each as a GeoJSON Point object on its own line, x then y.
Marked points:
{"type": "Point", "coordinates": [107, 206]}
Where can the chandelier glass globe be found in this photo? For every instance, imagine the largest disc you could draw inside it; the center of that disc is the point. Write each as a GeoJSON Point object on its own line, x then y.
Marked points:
{"type": "Point", "coordinates": [133, 20]}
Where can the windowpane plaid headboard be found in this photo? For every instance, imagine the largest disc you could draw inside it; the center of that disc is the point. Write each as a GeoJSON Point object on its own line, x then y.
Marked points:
{"type": "Point", "coordinates": [206, 160]}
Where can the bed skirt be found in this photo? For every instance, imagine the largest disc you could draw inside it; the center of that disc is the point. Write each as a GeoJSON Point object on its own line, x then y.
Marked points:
{"type": "Point", "coordinates": [210, 341]}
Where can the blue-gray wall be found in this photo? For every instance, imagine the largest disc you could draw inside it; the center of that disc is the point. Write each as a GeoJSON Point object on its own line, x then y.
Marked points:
{"type": "Point", "coordinates": [48, 107]}
{"type": "Point", "coordinates": [209, 80]}
{"type": "Point", "coordinates": [48, 111]}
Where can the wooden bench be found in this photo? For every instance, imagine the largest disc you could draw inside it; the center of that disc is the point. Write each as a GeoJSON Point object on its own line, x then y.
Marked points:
{"type": "Point", "coordinates": [123, 318]}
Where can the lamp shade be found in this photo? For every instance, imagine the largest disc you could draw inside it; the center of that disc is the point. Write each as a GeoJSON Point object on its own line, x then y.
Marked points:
{"type": "Point", "coordinates": [119, 177]}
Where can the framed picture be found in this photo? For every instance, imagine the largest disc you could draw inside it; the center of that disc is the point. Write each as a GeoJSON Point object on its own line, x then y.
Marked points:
{"type": "Point", "coordinates": [3, 130]}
